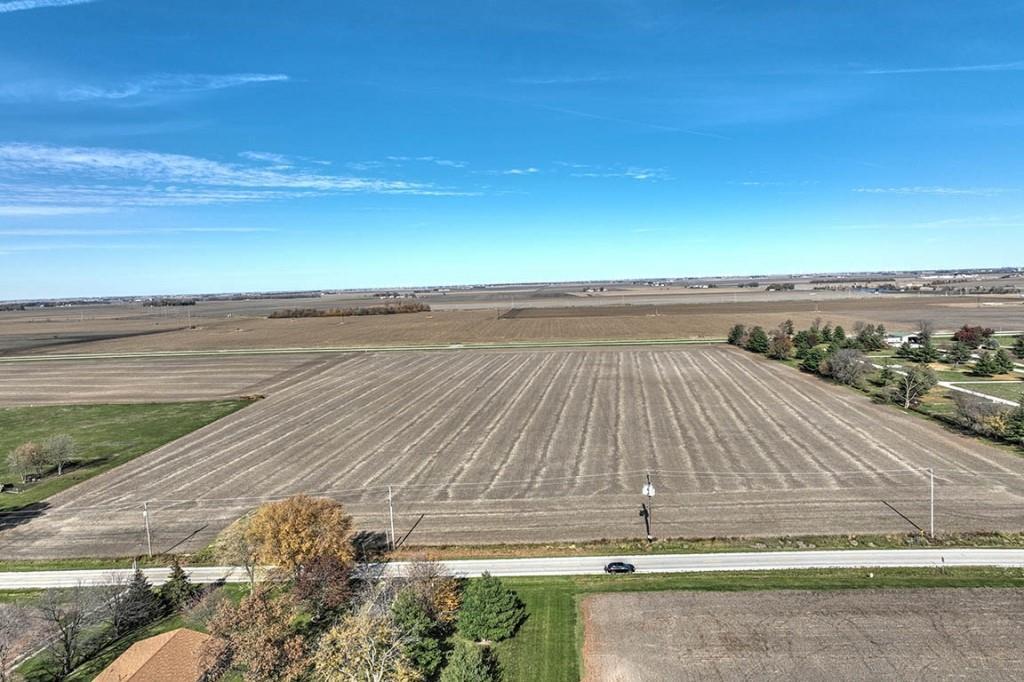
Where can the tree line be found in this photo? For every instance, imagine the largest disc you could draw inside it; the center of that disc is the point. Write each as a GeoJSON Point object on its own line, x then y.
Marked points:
{"type": "Point", "coordinates": [389, 309]}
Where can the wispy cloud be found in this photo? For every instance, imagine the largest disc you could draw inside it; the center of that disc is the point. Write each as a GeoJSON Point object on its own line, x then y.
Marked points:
{"type": "Point", "coordinates": [521, 171]}
{"type": "Point", "coordinates": [269, 157]}
{"type": "Point", "coordinates": [112, 232]}
{"type": "Point", "coordinates": [20, 5]}
{"type": "Point", "coordinates": [30, 210]}
{"type": "Point", "coordinates": [149, 88]}
{"type": "Point", "coordinates": [964, 68]}
{"type": "Point", "coordinates": [561, 80]}
{"type": "Point", "coordinates": [101, 177]}
{"type": "Point", "coordinates": [939, 191]}
{"type": "Point", "coordinates": [631, 172]}
{"type": "Point", "coordinates": [429, 159]}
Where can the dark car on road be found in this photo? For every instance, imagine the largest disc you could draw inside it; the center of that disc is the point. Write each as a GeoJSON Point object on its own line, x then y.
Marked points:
{"type": "Point", "coordinates": [619, 567]}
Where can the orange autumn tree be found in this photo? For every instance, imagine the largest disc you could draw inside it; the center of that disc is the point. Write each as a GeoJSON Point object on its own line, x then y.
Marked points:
{"type": "Point", "coordinates": [292, 533]}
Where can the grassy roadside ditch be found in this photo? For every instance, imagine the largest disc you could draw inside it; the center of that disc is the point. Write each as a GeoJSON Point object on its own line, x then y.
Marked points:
{"type": "Point", "coordinates": [624, 547]}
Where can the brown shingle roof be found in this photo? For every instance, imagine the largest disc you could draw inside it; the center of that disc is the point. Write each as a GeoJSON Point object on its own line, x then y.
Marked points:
{"type": "Point", "coordinates": [171, 657]}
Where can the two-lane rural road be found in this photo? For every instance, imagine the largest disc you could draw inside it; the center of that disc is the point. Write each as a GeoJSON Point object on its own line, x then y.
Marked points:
{"type": "Point", "coordinates": [648, 563]}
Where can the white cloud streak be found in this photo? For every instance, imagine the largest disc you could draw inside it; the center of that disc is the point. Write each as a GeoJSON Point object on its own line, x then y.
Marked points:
{"type": "Point", "coordinates": [969, 68]}
{"type": "Point", "coordinates": [43, 175]}
{"type": "Point", "coordinates": [937, 191]}
{"type": "Point", "coordinates": [29, 210]}
{"type": "Point", "coordinates": [21, 5]}
{"type": "Point", "coordinates": [111, 232]}
{"type": "Point", "coordinates": [152, 87]}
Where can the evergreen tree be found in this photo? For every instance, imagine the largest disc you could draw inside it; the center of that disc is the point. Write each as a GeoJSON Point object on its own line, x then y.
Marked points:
{"type": "Point", "coordinates": [757, 341]}
{"type": "Point", "coordinates": [467, 663]}
{"type": "Point", "coordinates": [1002, 363]}
{"type": "Point", "coordinates": [1015, 424]}
{"type": "Point", "coordinates": [422, 647]}
{"type": "Point", "coordinates": [141, 603]}
{"type": "Point", "coordinates": [736, 334]}
{"type": "Point", "coordinates": [178, 592]}
{"type": "Point", "coordinates": [1018, 347]}
{"type": "Point", "coordinates": [490, 611]}
{"type": "Point", "coordinates": [985, 366]}
{"type": "Point", "coordinates": [839, 335]}
{"type": "Point", "coordinates": [958, 354]}
{"type": "Point", "coordinates": [812, 360]}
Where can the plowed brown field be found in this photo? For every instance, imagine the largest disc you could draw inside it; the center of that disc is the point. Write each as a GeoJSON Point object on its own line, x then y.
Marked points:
{"type": "Point", "coordinates": [797, 635]}
{"type": "Point", "coordinates": [505, 446]}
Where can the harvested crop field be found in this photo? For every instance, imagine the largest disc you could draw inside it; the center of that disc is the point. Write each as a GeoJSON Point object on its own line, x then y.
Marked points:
{"type": "Point", "coordinates": [220, 326]}
{"type": "Point", "coordinates": [505, 446]}
{"type": "Point", "coordinates": [147, 379]}
{"type": "Point", "coordinates": [969, 634]}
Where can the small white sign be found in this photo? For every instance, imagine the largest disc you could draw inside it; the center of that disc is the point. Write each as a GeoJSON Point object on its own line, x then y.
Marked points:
{"type": "Point", "coordinates": [649, 489]}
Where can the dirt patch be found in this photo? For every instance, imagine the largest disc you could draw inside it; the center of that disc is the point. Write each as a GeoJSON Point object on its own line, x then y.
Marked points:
{"type": "Point", "coordinates": [968, 634]}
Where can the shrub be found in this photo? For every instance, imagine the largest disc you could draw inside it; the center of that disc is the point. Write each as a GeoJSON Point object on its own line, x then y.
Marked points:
{"type": "Point", "coordinates": [981, 415]}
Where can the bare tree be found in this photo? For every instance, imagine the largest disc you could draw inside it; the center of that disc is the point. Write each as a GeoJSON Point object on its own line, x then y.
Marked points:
{"type": "Point", "coordinates": [926, 330]}
{"type": "Point", "coordinates": [66, 614]}
{"type": "Point", "coordinates": [12, 625]}
{"type": "Point", "coordinates": [59, 450]}
{"type": "Point", "coordinates": [847, 366]}
{"type": "Point", "coordinates": [912, 385]}
{"type": "Point", "coordinates": [235, 547]}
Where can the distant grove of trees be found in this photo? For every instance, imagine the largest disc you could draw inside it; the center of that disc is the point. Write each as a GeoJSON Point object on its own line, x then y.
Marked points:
{"type": "Point", "coordinates": [164, 302]}
{"type": "Point", "coordinates": [389, 309]}
{"type": "Point", "coordinates": [828, 351]}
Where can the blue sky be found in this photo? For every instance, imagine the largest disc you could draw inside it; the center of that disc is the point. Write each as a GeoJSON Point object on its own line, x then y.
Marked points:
{"type": "Point", "coordinates": [153, 147]}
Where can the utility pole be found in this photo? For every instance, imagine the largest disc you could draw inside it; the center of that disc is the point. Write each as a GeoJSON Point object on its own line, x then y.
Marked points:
{"type": "Point", "coordinates": [931, 504]}
{"type": "Point", "coordinates": [391, 513]}
{"type": "Point", "coordinates": [648, 490]}
{"type": "Point", "coordinates": [149, 537]}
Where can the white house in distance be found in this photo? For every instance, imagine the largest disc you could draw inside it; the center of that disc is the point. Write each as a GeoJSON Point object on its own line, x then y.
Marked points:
{"type": "Point", "coordinates": [897, 340]}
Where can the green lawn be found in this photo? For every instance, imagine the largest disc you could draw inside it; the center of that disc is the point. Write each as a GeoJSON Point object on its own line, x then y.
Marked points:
{"type": "Point", "coordinates": [1010, 390]}
{"type": "Point", "coordinates": [547, 646]}
{"type": "Point", "coordinates": [107, 436]}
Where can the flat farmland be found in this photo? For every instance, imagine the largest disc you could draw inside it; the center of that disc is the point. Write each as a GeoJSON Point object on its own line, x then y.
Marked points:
{"type": "Point", "coordinates": [545, 445]}
{"type": "Point", "coordinates": [227, 326]}
{"type": "Point", "coordinates": [147, 379]}
{"type": "Point", "coordinates": [894, 634]}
